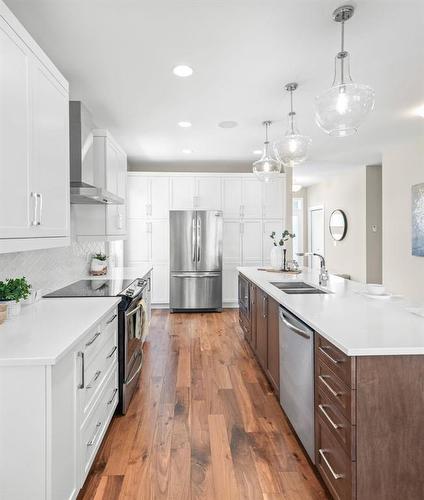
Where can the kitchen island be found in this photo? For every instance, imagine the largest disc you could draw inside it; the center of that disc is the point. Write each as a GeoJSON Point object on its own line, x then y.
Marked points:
{"type": "Point", "coordinates": [368, 379]}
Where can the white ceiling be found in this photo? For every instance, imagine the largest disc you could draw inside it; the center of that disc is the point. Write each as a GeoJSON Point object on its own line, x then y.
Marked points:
{"type": "Point", "coordinates": [119, 55]}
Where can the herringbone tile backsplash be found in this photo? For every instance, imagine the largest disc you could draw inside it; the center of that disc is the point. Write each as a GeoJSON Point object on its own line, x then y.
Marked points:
{"type": "Point", "coordinates": [52, 268]}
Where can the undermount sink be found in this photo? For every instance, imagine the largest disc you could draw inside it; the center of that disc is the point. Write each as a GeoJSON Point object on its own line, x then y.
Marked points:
{"type": "Point", "coordinates": [298, 288]}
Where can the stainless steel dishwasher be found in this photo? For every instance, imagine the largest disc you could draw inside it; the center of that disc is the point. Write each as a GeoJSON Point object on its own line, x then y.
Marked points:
{"type": "Point", "coordinates": [297, 377]}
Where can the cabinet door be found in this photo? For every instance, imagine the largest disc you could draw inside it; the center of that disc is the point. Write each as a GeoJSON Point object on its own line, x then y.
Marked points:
{"type": "Point", "coordinates": [183, 190]}
{"type": "Point", "coordinates": [267, 244]}
{"type": "Point", "coordinates": [229, 284]}
{"type": "Point", "coordinates": [273, 344]}
{"type": "Point", "coordinates": [253, 313]}
{"type": "Point", "coordinates": [231, 251]}
{"type": "Point", "coordinates": [138, 244]}
{"type": "Point", "coordinates": [251, 198]}
{"type": "Point", "coordinates": [160, 240]}
{"type": "Point", "coordinates": [160, 284]}
{"type": "Point", "coordinates": [261, 327]}
{"type": "Point", "coordinates": [138, 193]}
{"type": "Point", "coordinates": [159, 203]}
{"type": "Point", "coordinates": [15, 202]}
{"type": "Point", "coordinates": [232, 197]}
{"type": "Point", "coordinates": [208, 193]}
{"type": "Point", "coordinates": [274, 199]}
{"type": "Point", "coordinates": [49, 167]}
{"type": "Point", "coordinates": [115, 220]}
{"type": "Point", "coordinates": [252, 242]}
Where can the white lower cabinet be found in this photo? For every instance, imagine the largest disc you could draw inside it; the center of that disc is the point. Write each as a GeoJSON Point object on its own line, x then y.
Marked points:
{"type": "Point", "coordinates": [53, 417]}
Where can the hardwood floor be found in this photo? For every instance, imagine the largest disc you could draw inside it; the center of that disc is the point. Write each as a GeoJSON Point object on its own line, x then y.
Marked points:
{"type": "Point", "coordinates": [204, 423]}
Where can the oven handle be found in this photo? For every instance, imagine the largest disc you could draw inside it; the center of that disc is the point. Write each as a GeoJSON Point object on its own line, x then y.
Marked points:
{"type": "Point", "coordinates": [137, 371]}
{"type": "Point", "coordinates": [128, 315]}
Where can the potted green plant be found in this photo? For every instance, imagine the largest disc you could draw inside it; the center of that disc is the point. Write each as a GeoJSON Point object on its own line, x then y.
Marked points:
{"type": "Point", "coordinates": [12, 291]}
{"type": "Point", "coordinates": [278, 251]}
{"type": "Point", "coordinates": [98, 265]}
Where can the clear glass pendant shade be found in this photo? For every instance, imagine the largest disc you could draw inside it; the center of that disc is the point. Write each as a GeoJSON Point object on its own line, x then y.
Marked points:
{"type": "Point", "coordinates": [340, 110]}
{"type": "Point", "coordinates": [267, 168]}
{"type": "Point", "coordinates": [293, 148]}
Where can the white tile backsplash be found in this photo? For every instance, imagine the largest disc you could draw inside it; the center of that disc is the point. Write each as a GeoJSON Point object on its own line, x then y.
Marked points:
{"type": "Point", "coordinates": [51, 268]}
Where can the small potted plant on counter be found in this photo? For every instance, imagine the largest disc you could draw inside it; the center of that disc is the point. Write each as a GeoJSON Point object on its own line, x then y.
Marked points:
{"type": "Point", "coordinates": [98, 265]}
{"type": "Point", "coordinates": [278, 251]}
{"type": "Point", "coordinates": [12, 291]}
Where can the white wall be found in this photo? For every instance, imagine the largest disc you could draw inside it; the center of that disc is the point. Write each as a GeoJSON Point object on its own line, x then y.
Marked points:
{"type": "Point", "coordinates": [403, 166]}
{"type": "Point", "coordinates": [348, 193]}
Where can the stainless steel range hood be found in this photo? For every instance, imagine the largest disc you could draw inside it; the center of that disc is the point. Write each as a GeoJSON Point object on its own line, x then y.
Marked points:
{"type": "Point", "coordinates": [86, 186]}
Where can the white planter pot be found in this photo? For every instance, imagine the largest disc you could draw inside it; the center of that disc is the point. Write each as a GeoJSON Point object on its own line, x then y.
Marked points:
{"type": "Point", "coordinates": [277, 257]}
{"type": "Point", "coordinates": [98, 266]}
{"type": "Point", "coordinates": [13, 308]}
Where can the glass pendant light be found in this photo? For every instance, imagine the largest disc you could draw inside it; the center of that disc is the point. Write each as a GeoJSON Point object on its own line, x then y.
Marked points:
{"type": "Point", "coordinates": [293, 149]}
{"type": "Point", "coordinates": [266, 168]}
{"type": "Point", "coordinates": [340, 110]}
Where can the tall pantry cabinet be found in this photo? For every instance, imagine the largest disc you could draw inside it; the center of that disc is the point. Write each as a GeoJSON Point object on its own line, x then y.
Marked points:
{"type": "Point", "coordinates": [252, 210]}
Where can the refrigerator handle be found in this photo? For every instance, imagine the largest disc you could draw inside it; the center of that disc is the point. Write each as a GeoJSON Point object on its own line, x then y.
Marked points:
{"type": "Point", "coordinates": [199, 239]}
{"type": "Point", "coordinates": [193, 238]}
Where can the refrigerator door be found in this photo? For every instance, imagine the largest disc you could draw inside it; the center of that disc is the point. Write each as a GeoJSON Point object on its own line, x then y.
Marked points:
{"type": "Point", "coordinates": [182, 240]}
{"type": "Point", "coordinates": [196, 291]}
{"type": "Point", "coordinates": [209, 226]}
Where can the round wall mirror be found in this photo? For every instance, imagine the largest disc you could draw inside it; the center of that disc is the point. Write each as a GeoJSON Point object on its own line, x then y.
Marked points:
{"type": "Point", "coordinates": [338, 225]}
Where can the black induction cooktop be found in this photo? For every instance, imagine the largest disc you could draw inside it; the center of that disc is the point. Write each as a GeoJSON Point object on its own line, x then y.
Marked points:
{"type": "Point", "coordinates": [92, 288]}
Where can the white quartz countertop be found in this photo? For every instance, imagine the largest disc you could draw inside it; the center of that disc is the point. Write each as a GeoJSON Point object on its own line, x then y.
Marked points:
{"type": "Point", "coordinates": [46, 330]}
{"type": "Point", "coordinates": [356, 324]}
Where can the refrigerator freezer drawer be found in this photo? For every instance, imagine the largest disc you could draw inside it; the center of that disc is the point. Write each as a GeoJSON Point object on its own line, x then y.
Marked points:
{"type": "Point", "coordinates": [196, 291]}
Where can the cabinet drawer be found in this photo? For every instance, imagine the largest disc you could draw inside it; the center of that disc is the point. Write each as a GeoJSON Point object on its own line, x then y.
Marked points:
{"type": "Point", "coordinates": [334, 465]}
{"type": "Point", "coordinates": [342, 365]}
{"type": "Point", "coordinates": [93, 430]}
{"type": "Point", "coordinates": [336, 422]}
{"type": "Point", "coordinates": [98, 336]}
{"type": "Point", "coordinates": [96, 372]}
{"type": "Point", "coordinates": [328, 383]}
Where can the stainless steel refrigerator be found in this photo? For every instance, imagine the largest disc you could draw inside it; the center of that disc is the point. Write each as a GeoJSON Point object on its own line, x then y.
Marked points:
{"type": "Point", "coordinates": [195, 259]}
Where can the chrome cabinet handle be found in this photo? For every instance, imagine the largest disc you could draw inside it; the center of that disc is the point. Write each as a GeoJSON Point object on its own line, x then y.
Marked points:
{"type": "Point", "coordinates": [333, 392]}
{"type": "Point", "coordinates": [113, 397]}
{"type": "Point", "coordinates": [264, 306]}
{"type": "Point", "coordinates": [327, 463]}
{"type": "Point", "coordinates": [93, 339]}
{"type": "Point", "coordinates": [149, 284]}
{"type": "Point", "coordinates": [327, 416]}
{"type": "Point", "coordinates": [333, 360]}
{"type": "Point", "coordinates": [40, 210]}
{"type": "Point", "coordinates": [112, 353]}
{"type": "Point", "coordinates": [111, 319]}
{"type": "Point", "coordinates": [199, 238]}
{"type": "Point", "coordinates": [294, 328]}
{"type": "Point", "coordinates": [96, 376]}
{"type": "Point", "coordinates": [193, 238]}
{"type": "Point", "coordinates": [35, 220]}
{"type": "Point", "coordinates": [81, 384]}
{"type": "Point", "coordinates": [93, 439]}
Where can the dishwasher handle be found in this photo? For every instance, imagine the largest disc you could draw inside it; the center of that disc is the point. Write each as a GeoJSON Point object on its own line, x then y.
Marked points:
{"type": "Point", "coordinates": [293, 328]}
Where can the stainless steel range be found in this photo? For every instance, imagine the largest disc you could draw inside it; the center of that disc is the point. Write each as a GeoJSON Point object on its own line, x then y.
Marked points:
{"type": "Point", "coordinates": [132, 325]}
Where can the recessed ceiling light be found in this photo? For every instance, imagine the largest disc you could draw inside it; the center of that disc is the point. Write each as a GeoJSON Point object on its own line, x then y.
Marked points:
{"type": "Point", "coordinates": [184, 124]}
{"type": "Point", "coordinates": [182, 70]}
{"type": "Point", "coordinates": [257, 152]}
{"type": "Point", "coordinates": [296, 188]}
{"type": "Point", "coordinates": [187, 151]}
{"type": "Point", "coordinates": [227, 124]}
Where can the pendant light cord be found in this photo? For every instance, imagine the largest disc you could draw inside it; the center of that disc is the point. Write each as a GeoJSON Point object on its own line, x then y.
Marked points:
{"type": "Point", "coordinates": [342, 53]}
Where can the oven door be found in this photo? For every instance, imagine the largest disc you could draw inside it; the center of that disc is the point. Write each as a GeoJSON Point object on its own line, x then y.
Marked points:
{"type": "Point", "coordinates": [135, 326]}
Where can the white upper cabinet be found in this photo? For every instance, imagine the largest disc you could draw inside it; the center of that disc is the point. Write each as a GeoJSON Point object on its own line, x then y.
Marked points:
{"type": "Point", "coordinates": [137, 246]}
{"type": "Point", "coordinates": [138, 196]}
{"type": "Point", "coordinates": [251, 241]}
{"type": "Point", "coordinates": [159, 201]}
{"type": "Point", "coordinates": [34, 144]}
{"type": "Point", "coordinates": [159, 233]}
{"type": "Point", "coordinates": [208, 193]}
{"type": "Point", "coordinates": [251, 198]}
{"type": "Point", "coordinates": [274, 199]}
{"type": "Point", "coordinates": [183, 191]}
{"type": "Point", "coordinates": [232, 197]}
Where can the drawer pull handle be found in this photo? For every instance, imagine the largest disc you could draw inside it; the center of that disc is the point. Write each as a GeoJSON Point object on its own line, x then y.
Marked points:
{"type": "Point", "coordinates": [333, 392]}
{"type": "Point", "coordinates": [93, 439]}
{"type": "Point", "coordinates": [327, 463]}
{"type": "Point", "coordinates": [93, 339]}
{"type": "Point", "coordinates": [333, 360]}
{"type": "Point", "coordinates": [81, 384]}
{"type": "Point", "coordinates": [96, 376]}
{"type": "Point", "coordinates": [112, 353]}
{"type": "Point", "coordinates": [111, 319]}
{"type": "Point", "coordinates": [113, 397]}
{"type": "Point", "coordinates": [327, 416]}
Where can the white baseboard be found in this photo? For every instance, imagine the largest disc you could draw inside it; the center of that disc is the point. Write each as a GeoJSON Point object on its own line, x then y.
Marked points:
{"type": "Point", "coordinates": [225, 305]}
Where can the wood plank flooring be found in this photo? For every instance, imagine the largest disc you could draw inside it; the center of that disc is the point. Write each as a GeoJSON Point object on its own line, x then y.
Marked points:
{"type": "Point", "coordinates": [204, 423]}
